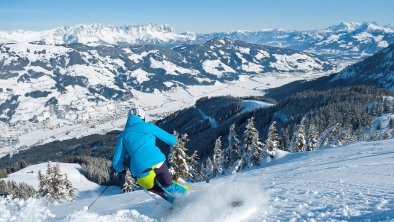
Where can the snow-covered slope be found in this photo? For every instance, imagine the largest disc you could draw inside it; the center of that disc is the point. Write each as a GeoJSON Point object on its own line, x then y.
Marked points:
{"type": "Point", "coordinates": [99, 34]}
{"type": "Point", "coordinates": [85, 188]}
{"type": "Point", "coordinates": [350, 183]}
{"type": "Point", "coordinates": [377, 70]}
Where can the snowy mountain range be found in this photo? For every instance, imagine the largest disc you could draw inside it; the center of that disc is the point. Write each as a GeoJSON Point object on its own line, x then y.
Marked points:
{"type": "Point", "coordinates": [38, 81]}
{"type": "Point", "coordinates": [99, 34]}
{"type": "Point", "coordinates": [345, 41]}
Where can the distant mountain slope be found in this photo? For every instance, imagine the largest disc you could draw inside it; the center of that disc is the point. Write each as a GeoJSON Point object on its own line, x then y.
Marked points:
{"type": "Point", "coordinates": [39, 81]}
{"type": "Point", "coordinates": [345, 41]}
{"type": "Point", "coordinates": [99, 34]}
{"type": "Point", "coordinates": [376, 70]}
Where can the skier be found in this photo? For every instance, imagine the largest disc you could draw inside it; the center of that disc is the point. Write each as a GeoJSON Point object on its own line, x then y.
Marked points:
{"type": "Point", "coordinates": [147, 162]}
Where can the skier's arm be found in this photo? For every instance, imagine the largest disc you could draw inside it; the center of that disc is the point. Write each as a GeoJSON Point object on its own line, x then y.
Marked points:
{"type": "Point", "coordinates": [117, 160]}
{"type": "Point", "coordinates": [162, 135]}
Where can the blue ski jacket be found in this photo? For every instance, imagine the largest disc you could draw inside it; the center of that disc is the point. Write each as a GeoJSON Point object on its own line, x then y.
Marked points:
{"type": "Point", "coordinates": [138, 139]}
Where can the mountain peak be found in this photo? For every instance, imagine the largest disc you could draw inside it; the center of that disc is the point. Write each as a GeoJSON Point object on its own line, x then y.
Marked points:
{"type": "Point", "coordinates": [99, 34]}
{"type": "Point", "coordinates": [344, 26]}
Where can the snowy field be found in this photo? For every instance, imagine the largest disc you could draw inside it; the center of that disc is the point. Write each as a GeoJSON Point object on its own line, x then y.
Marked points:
{"type": "Point", "coordinates": [158, 104]}
{"type": "Point", "coordinates": [350, 183]}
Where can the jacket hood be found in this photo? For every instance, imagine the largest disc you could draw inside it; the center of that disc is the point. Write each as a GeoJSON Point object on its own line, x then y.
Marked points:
{"type": "Point", "coordinates": [132, 120]}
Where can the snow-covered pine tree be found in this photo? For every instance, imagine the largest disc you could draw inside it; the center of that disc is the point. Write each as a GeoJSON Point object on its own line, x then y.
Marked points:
{"type": "Point", "coordinates": [273, 141]}
{"type": "Point", "coordinates": [329, 135]}
{"type": "Point", "coordinates": [335, 133]}
{"type": "Point", "coordinates": [193, 166]}
{"type": "Point", "coordinates": [16, 190]}
{"type": "Point", "coordinates": [387, 134]}
{"type": "Point", "coordinates": [312, 137]}
{"type": "Point", "coordinates": [233, 150]}
{"type": "Point", "coordinates": [391, 123]}
{"type": "Point", "coordinates": [208, 170]}
{"type": "Point", "coordinates": [217, 157]}
{"type": "Point", "coordinates": [68, 187]}
{"type": "Point", "coordinates": [346, 136]}
{"type": "Point", "coordinates": [298, 142]}
{"type": "Point", "coordinates": [54, 185]}
{"type": "Point", "coordinates": [130, 184]}
{"type": "Point", "coordinates": [285, 141]}
{"type": "Point", "coordinates": [201, 172]}
{"type": "Point", "coordinates": [178, 158]}
{"type": "Point", "coordinates": [252, 147]}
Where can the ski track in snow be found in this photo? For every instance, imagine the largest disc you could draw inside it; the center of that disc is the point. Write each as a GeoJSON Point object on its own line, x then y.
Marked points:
{"type": "Point", "coordinates": [350, 183]}
{"type": "Point", "coordinates": [212, 121]}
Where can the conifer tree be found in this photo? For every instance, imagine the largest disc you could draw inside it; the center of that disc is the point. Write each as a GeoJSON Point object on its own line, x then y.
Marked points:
{"type": "Point", "coordinates": [391, 123]}
{"type": "Point", "coordinates": [285, 141]}
{"type": "Point", "coordinates": [234, 148]}
{"type": "Point", "coordinates": [201, 172]}
{"type": "Point", "coordinates": [130, 184]}
{"type": "Point", "coordinates": [387, 134]}
{"type": "Point", "coordinates": [208, 170]}
{"type": "Point", "coordinates": [193, 166]}
{"type": "Point", "coordinates": [252, 147]}
{"type": "Point", "coordinates": [346, 136]}
{"type": "Point", "coordinates": [16, 190]}
{"type": "Point", "coordinates": [298, 142]}
{"type": "Point", "coordinates": [54, 185]}
{"type": "Point", "coordinates": [178, 158]}
{"type": "Point", "coordinates": [273, 142]}
{"type": "Point", "coordinates": [237, 166]}
{"type": "Point", "coordinates": [312, 138]}
{"type": "Point", "coordinates": [217, 157]}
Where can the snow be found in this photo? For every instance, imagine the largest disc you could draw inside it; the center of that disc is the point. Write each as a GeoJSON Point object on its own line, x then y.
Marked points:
{"type": "Point", "coordinates": [294, 62]}
{"type": "Point", "coordinates": [212, 121]}
{"type": "Point", "coordinates": [216, 67]}
{"type": "Point", "coordinates": [98, 34]}
{"type": "Point", "coordinates": [170, 67]}
{"type": "Point", "coordinates": [106, 116]}
{"type": "Point", "coordinates": [139, 57]}
{"type": "Point", "coordinates": [261, 54]}
{"type": "Point", "coordinates": [350, 183]}
{"type": "Point", "coordinates": [140, 75]}
{"type": "Point", "coordinates": [85, 188]}
{"type": "Point", "coordinates": [249, 105]}
{"type": "Point", "coordinates": [282, 116]}
{"type": "Point", "coordinates": [363, 37]}
{"type": "Point", "coordinates": [244, 50]}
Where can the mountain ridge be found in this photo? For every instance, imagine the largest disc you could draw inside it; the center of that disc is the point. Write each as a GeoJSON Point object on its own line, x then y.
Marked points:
{"type": "Point", "coordinates": [346, 40]}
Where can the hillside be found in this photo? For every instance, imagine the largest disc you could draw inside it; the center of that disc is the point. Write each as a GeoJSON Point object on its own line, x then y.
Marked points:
{"type": "Point", "coordinates": [350, 183]}
{"type": "Point", "coordinates": [367, 114]}
{"type": "Point", "coordinates": [376, 71]}
{"type": "Point", "coordinates": [76, 89]}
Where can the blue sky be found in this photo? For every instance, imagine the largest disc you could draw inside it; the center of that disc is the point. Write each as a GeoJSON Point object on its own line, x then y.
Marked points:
{"type": "Point", "coordinates": [194, 15]}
